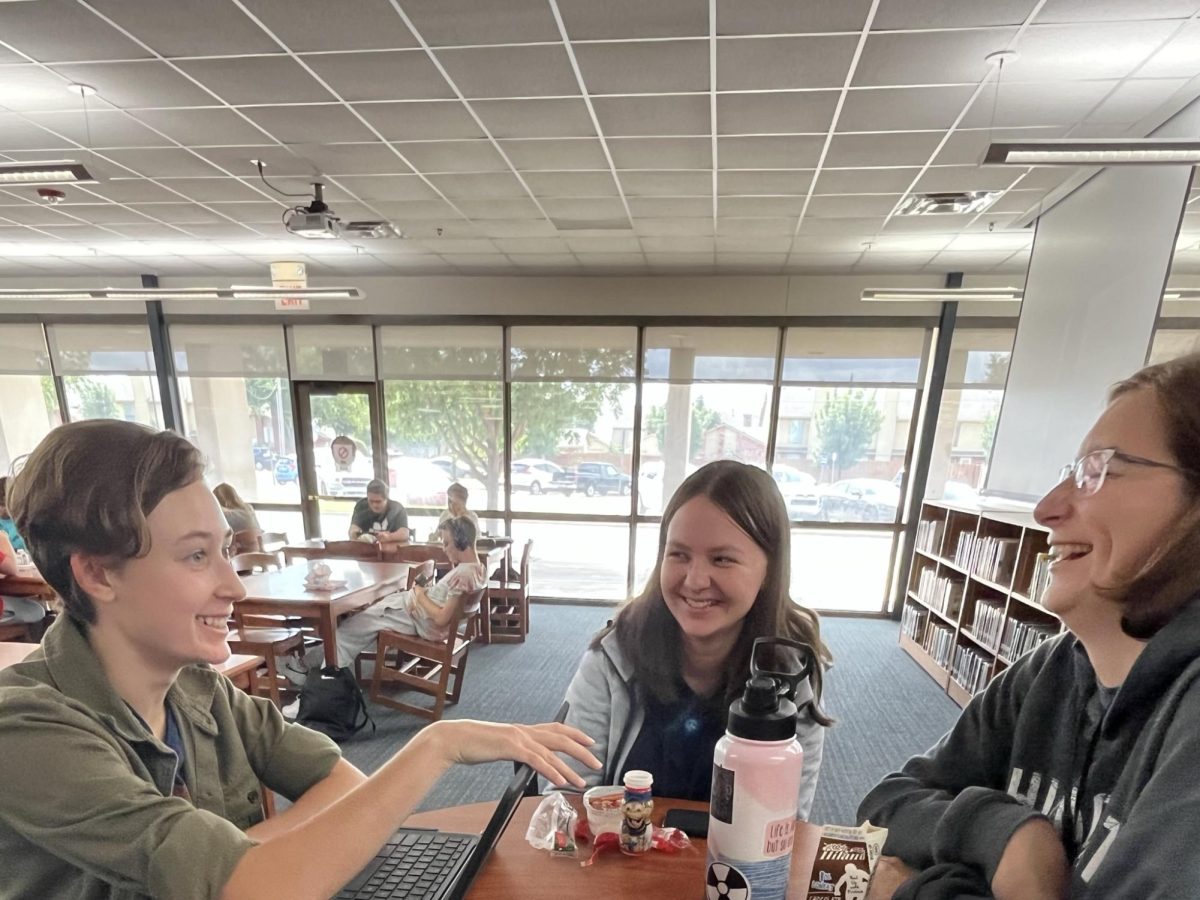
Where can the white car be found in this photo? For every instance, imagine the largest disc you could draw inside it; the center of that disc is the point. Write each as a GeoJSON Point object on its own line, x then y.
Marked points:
{"type": "Point", "coordinates": [799, 491]}
{"type": "Point", "coordinates": [417, 482]}
{"type": "Point", "coordinates": [533, 475]}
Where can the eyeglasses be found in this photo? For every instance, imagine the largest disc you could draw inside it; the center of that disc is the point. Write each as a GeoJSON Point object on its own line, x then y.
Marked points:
{"type": "Point", "coordinates": [1090, 470]}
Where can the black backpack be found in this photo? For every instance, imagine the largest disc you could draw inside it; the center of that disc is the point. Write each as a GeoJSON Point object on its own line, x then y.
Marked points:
{"type": "Point", "coordinates": [332, 703]}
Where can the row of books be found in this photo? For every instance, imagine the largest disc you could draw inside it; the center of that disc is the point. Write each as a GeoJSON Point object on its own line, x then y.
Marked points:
{"type": "Point", "coordinates": [929, 535]}
{"type": "Point", "coordinates": [1041, 577]}
{"type": "Point", "coordinates": [939, 643]}
{"type": "Point", "coordinates": [1021, 637]}
{"type": "Point", "coordinates": [939, 592]}
{"type": "Point", "coordinates": [972, 669]}
{"type": "Point", "coordinates": [989, 621]}
{"type": "Point", "coordinates": [912, 621]}
{"type": "Point", "coordinates": [988, 557]}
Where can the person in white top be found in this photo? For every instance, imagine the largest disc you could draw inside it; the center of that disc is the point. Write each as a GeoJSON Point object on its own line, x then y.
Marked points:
{"type": "Point", "coordinates": [456, 505]}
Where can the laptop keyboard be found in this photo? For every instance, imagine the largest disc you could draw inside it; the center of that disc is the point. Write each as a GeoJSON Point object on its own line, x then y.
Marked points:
{"type": "Point", "coordinates": [412, 864]}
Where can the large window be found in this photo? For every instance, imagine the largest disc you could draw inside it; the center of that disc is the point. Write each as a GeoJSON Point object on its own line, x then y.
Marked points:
{"type": "Point", "coordinates": [1172, 343]}
{"type": "Point", "coordinates": [107, 372]}
{"type": "Point", "coordinates": [28, 402]}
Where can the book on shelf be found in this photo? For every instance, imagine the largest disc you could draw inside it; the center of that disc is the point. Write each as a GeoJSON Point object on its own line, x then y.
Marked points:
{"type": "Point", "coordinates": [1041, 577]}
{"type": "Point", "coordinates": [939, 591]}
{"type": "Point", "coordinates": [912, 621]}
{"type": "Point", "coordinates": [939, 643]}
{"type": "Point", "coordinates": [1021, 637]}
{"type": "Point", "coordinates": [929, 535]}
{"type": "Point", "coordinates": [988, 557]}
{"type": "Point", "coordinates": [989, 621]}
{"type": "Point", "coordinates": [972, 668]}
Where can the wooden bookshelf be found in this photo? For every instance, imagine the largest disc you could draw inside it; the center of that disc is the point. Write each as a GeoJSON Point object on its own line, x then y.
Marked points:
{"type": "Point", "coordinates": [971, 586]}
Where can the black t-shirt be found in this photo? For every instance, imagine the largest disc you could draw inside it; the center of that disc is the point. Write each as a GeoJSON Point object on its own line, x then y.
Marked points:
{"type": "Point", "coordinates": [676, 743]}
{"type": "Point", "coordinates": [393, 517]}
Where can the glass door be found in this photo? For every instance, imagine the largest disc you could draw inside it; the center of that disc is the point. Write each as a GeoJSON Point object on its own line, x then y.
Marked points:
{"type": "Point", "coordinates": [341, 450]}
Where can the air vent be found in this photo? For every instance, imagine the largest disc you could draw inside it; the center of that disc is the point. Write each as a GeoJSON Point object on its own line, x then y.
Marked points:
{"type": "Point", "coordinates": [372, 230]}
{"type": "Point", "coordinates": [947, 204]}
{"type": "Point", "coordinates": [592, 224]}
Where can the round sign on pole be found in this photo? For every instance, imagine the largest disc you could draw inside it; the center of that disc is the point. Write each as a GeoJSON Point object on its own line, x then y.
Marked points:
{"type": "Point", "coordinates": [344, 450]}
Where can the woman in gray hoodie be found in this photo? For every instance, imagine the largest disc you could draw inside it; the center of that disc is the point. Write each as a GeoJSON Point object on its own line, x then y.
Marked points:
{"type": "Point", "coordinates": [1074, 773]}
{"type": "Point", "coordinates": [654, 687]}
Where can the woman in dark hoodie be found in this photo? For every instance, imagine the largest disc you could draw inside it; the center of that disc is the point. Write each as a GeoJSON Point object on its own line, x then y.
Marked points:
{"type": "Point", "coordinates": [1075, 773]}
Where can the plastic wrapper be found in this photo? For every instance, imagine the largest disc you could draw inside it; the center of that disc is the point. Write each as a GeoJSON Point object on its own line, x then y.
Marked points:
{"type": "Point", "coordinates": [665, 840]}
{"type": "Point", "coordinates": [845, 861]}
{"type": "Point", "coordinates": [553, 826]}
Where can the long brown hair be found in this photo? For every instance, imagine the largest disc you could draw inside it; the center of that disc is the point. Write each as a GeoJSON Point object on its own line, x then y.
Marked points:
{"type": "Point", "coordinates": [229, 498]}
{"type": "Point", "coordinates": [651, 638]}
{"type": "Point", "coordinates": [1170, 578]}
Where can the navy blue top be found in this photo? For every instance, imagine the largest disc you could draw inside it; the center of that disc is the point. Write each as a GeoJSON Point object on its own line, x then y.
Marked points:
{"type": "Point", "coordinates": [676, 744]}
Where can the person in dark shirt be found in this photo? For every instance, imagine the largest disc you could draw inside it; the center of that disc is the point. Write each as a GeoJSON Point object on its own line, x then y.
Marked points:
{"type": "Point", "coordinates": [376, 515]}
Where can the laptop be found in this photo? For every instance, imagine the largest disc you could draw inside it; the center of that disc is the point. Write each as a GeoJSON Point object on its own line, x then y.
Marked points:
{"type": "Point", "coordinates": [424, 864]}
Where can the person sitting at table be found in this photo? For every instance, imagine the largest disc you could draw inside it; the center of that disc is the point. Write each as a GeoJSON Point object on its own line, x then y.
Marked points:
{"type": "Point", "coordinates": [238, 513]}
{"type": "Point", "coordinates": [7, 525]}
{"type": "Point", "coordinates": [456, 505]}
{"type": "Point", "coordinates": [655, 686]}
{"type": "Point", "coordinates": [15, 610]}
{"type": "Point", "coordinates": [1074, 772]}
{"type": "Point", "coordinates": [150, 765]}
{"type": "Point", "coordinates": [379, 517]}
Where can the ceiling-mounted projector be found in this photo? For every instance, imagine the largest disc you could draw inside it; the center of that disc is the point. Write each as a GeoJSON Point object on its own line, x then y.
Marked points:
{"type": "Point", "coordinates": [315, 220]}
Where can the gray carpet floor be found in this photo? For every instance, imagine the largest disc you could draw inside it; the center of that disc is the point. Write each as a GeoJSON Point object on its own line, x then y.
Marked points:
{"type": "Point", "coordinates": [886, 707]}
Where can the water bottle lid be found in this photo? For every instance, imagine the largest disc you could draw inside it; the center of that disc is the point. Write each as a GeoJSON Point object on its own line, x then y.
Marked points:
{"type": "Point", "coordinates": [638, 780]}
{"type": "Point", "coordinates": [762, 713]}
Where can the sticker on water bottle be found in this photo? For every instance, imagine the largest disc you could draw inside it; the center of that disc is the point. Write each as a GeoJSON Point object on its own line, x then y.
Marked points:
{"type": "Point", "coordinates": [721, 802]}
{"type": "Point", "coordinates": [725, 883]}
{"type": "Point", "coordinates": [778, 837]}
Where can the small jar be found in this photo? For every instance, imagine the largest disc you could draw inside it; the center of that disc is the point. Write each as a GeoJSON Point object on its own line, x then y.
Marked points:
{"type": "Point", "coordinates": [636, 809]}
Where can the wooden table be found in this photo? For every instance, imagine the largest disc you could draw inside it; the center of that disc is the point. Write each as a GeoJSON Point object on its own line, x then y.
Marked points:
{"type": "Point", "coordinates": [283, 593]}
{"type": "Point", "coordinates": [515, 869]}
{"type": "Point", "coordinates": [242, 670]}
{"type": "Point", "coordinates": [28, 582]}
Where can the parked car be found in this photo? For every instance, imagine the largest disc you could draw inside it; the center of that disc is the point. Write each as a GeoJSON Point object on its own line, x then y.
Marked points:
{"type": "Point", "coordinates": [284, 471]}
{"type": "Point", "coordinates": [264, 456]}
{"type": "Point", "coordinates": [860, 500]}
{"type": "Point", "coordinates": [800, 492]}
{"type": "Point", "coordinates": [417, 482]}
{"type": "Point", "coordinates": [593, 478]}
{"type": "Point", "coordinates": [456, 470]}
{"type": "Point", "coordinates": [533, 475]}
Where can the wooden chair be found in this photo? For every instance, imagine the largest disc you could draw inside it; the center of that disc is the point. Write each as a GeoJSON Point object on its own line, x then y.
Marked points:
{"type": "Point", "coordinates": [508, 603]}
{"type": "Point", "coordinates": [248, 541]}
{"type": "Point", "coordinates": [267, 643]}
{"type": "Point", "coordinates": [245, 563]}
{"type": "Point", "coordinates": [427, 666]}
{"type": "Point", "coordinates": [348, 550]}
{"type": "Point", "coordinates": [273, 541]}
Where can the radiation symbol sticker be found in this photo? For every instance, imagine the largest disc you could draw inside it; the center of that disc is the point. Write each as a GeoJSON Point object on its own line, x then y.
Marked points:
{"type": "Point", "coordinates": [726, 883]}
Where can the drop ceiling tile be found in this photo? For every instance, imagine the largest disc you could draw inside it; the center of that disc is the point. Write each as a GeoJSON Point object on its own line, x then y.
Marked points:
{"type": "Point", "coordinates": [27, 87]}
{"type": "Point", "coordinates": [125, 190]}
{"type": "Point", "coordinates": [609, 261]}
{"type": "Point", "coordinates": [500, 209]}
{"type": "Point", "coordinates": [921, 224]}
{"type": "Point", "coordinates": [373, 188]}
{"type": "Point", "coordinates": [976, 261]}
{"type": "Point", "coordinates": [571, 184]}
{"type": "Point", "coordinates": [825, 243]}
{"type": "Point", "coordinates": [585, 208]}
{"type": "Point", "coordinates": [436, 211]}
{"type": "Point", "coordinates": [454, 22]}
{"type": "Point", "coordinates": [537, 118]}
{"type": "Point", "coordinates": [62, 30]}
{"type": "Point", "coordinates": [325, 123]}
{"type": "Point", "coordinates": [1006, 241]}
{"type": "Point", "coordinates": [920, 14]}
{"type": "Point", "coordinates": [453, 156]}
{"type": "Point", "coordinates": [892, 262]}
{"type": "Point", "coordinates": [544, 260]}
{"type": "Point", "coordinates": [909, 243]}
{"type": "Point", "coordinates": [490, 186]}
{"type": "Point", "coordinates": [762, 243]}
{"type": "Point", "coordinates": [1044, 177]}
{"type": "Point", "coordinates": [519, 228]}
{"type": "Point", "coordinates": [1061, 104]}
{"type": "Point", "coordinates": [686, 114]}
{"type": "Point", "coordinates": [1134, 100]}
{"type": "Point", "coordinates": [967, 178]}
{"type": "Point", "coordinates": [902, 109]}
{"type": "Point", "coordinates": [18, 134]}
{"type": "Point", "coordinates": [280, 163]}
{"type": "Point", "coordinates": [968, 146]}
{"type": "Point", "coordinates": [421, 120]}
{"type": "Point", "coordinates": [751, 226]}
{"type": "Point", "coordinates": [1115, 10]}
{"type": "Point", "coordinates": [539, 245]}
{"type": "Point", "coordinates": [135, 85]}
{"type": "Point", "coordinates": [386, 75]}
{"type": "Point", "coordinates": [1098, 50]}
{"type": "Point", "coordinates": [352, 159]}
{"type": "Point", "coordinates": [772, 183]}
{"type": "Point", "coordinates": [770, 16]}
{"type": "Point", "coordinates": [154, 162]}
{"type": "Point", "coordinates": [607, 244]}
{"type": "Point", "coordinates": [187, 29]}
{"type": "Point", "coordinates": [481, 261]}
{"type": "Point", "coordinates": [257, 79]}
{"type": "Point", "coordinates": [779, 63]}
{"type": "Point", "coordinates": [637, 183]}
{"type": "Point", "coordinates": [643, 67]}
{"type": "Point", "coordinates": [820, 262]}
{"type": "Point", "coordinates": [865, 181]}
{"type": "Point", "coordinates": [103, 214]}
{"type": "Point", "coordinates": [108, 128]}
{"type": "Point", "coordinates": [443, 245]}
{"type": "Point", "coordinates": [667, 207]}
{"type": "Point", "coordinates": [661, 153]}
{"type": "Point", "coordinates": [789, 112]}
{"type": "Point", "coordinates": [222, 231]}
{"type": "Point", "coordinates": [758, 207]}
{"type": "Point", "coordinates": [587, 20]}
{"type": "Point", "coordinates": [881, 150]}
{"type": "Point", "coordinates": [80, 233]}
{"type": "Point", "coordinates": [201, 127]}
{"type": "Point", "coordinates": [687, 244]}
{"type": "Point", "coordinates": [788, 152]}
{"type": "Point", "coordinates": [1177, 58]}
{"type": "Point", "coordinates": [539, 71]}
{"type": "Point", "coordinates": [929, 57]}
{"type": "Point", "coordinates": [180, 213]}
{"type": "Point", "coordinates": [313, 25]}
{"type": "Point", "coordinates": [219, 189]}
{"type": "Point", "coordinates": [852, 206]}
{"type": "Point", "coordinates": [257, 213]}
{"type": "Point", "coordinates": [751, 262]}
{"type": "Point", "coordinates": [1016, 201]}
{"type": "Point", "coordinates": [144, 230]}
{"type": "Point", "coordinates": [556, 155]}
{"type": "Point", "coordinates": [677, 226]}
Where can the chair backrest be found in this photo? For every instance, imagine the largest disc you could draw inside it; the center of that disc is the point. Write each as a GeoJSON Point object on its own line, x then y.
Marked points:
{"type": "Point", "coordinates": [273, 538]}
{"type": "Point", "coordinates": [526, 555]}
{"type": "Point", "coordinates": [245, 563]}
{"type": "Point", "coordinates": [348, 550]}
{"type": "Point", "coordinates": [468, 607]}
{"type": "Point", "coordinates": [248, 541]}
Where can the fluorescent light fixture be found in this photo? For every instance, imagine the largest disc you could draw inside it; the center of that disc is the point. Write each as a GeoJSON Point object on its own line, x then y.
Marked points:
{"type": "Point", "coordinates": [940, 295]}
{"type": "Point", "coordinates": [57, 171]}
{"type": "Point", "coordinates": [947, 204]}
{"type": "Point", "coordinates": [1095, 152]}
{"type": "Point", "coordinates": [237, 293]}
{"type": "Point", "coordinates": [1181, 294]}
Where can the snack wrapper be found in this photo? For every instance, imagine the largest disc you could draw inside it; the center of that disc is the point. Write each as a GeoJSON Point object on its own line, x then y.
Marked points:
{"type": "Point", "coordinates": [553, 826]}
{"type": "Point", "coordinates": [666, 840]}
{"type": "Point", "coordinates": [845, 861]}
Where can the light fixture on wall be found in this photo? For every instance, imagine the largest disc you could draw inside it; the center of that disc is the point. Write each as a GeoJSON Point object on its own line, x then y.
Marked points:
{"type": "Point", "coordinates": [58, 171]}
{"type": "Point", "coordinates": [1172, 294]}
{"type": "Point", "coordinates": [234, 293]}
{"type": "Point", "coordinates": [941, 295]}
{"type": "Point", "coordinates": [1095, 152]}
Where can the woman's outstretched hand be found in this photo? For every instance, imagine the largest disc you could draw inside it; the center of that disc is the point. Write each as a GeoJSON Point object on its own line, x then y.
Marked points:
{"type": "Point", "coordinates": [468, 741]}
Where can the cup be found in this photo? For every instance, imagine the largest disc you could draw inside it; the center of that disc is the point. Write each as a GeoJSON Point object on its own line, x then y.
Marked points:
{"type": "Point", "coordinates": [603, 807]}
{"type": "Point", "coordinates": [318, 573]}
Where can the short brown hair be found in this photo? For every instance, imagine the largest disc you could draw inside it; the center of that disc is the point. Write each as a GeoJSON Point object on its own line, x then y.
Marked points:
{"type": "Point", "coordinates": [461, 530]}
{"type": "Point", "coordinates": [1170, 578]}
{"type": "Point", "coordinates": [88, 488]}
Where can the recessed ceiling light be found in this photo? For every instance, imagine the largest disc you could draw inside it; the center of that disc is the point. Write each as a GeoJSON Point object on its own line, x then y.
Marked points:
{"type": "Point", "coordinates": [83, 90]}
{"type": "Point", "coordinates": [940, 295]}
{"type": "Point", "coordinates": [947, 204]}
{"type": "Point", "coordinates": [1095, 152]}
{"type": "Point", "coordinates": [53, 172]}
{"type": "Point", "coordinates": [239, 293]}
